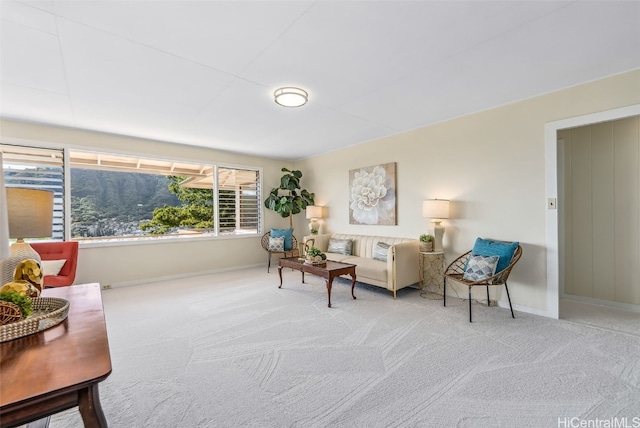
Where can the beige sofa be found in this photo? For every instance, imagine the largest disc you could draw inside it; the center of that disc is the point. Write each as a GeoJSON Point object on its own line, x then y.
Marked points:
{"type": "Point", "coordinates": [400, 270]}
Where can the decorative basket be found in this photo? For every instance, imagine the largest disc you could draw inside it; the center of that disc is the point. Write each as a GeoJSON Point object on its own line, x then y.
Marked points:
{"type": "Point", "coordinates": [47, 312]}
{"type": "Point", "coordinates": [9, 313]}
{"type": "Point", "coordinates": [315, 262]}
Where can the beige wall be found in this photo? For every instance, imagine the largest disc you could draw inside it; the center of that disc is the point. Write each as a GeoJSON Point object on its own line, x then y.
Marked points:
{"type": "Point", "coordinates": [491, 165]}
{"type": "Point", "coordinates": [124, 263]}
{"type": "Point", "coordinates": [601, 199]}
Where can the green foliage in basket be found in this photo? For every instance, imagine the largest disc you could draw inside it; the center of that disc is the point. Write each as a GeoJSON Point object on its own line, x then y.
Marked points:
{"type": "Point", "coordinates": [23, 302]}
{"type": "Point", "coordinates": [313, 252]}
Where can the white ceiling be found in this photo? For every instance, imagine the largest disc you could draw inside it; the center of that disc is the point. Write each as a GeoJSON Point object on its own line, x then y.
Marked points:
{"type": "Point", "coordinates": [204, 72]}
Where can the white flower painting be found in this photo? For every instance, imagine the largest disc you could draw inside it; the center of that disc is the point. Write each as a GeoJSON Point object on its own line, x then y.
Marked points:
{"type": "Point", "coordinates": [373, 195]}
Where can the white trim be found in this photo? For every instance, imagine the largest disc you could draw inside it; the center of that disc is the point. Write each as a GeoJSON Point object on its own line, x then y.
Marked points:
{"type": "Point", "coordinates": [522, 308]}
{"type": "Point", "coordinates": [66, 201]}
{"type": "Point", "coordinates": [178, 276]}
{"type": "Point", "coordinates": [551, 189]}
{"type": "Point", "coordinates": [606, 303]}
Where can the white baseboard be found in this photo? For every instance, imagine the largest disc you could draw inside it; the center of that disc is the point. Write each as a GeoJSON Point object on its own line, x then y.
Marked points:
{"type": "Point", "coordinates": [178, 276]}
{"type": "Point", "coordinates": [525, 309]}
{"type": "Point", "coordinates": [600, 302]}
{"type": "Point", "coordinates": [502, 304]}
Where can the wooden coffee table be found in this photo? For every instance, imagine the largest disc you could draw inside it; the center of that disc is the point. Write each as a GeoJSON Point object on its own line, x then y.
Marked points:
{"type": "Point", "coordinates": [327, 271]}
{"type": "Point", "coordinates": [58, 368]}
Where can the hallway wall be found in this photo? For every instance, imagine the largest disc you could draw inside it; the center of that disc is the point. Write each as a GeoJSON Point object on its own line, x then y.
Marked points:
{"type": "Point", "coordinates": [599, 210]}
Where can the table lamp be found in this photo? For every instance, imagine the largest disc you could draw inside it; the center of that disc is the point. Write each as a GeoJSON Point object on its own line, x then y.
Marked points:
{"type": "Point", "coordinates": [437, 210]}
{"type": "Point", "coordinates": [314, 212]}
{"type": "Point", "coordinates": [30, 215]}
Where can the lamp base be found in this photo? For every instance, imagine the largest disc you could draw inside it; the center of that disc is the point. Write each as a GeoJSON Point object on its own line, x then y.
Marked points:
{"type": "Point", "coordinates": [313, 226]}
{"type": "Point", "coordinates": [438, 234]}
{"type": "Point", "coordinates": [19, 251]}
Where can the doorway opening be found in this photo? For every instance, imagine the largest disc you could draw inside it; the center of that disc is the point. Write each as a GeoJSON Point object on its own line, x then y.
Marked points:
{"type": "Point", "coordinates": [555, 289]}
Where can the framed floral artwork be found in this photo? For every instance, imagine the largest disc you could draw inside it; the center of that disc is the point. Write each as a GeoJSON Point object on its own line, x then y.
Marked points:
{"type": "Point", "coordinates": [372, 195]}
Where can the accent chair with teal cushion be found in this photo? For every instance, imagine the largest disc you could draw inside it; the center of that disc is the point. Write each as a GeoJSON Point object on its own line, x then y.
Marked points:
{"type": "Point", "coordinates": [278, 244]}
{"type": "Point", "coordinates": [287, 234]}
{"type": "Point", "coordinates": [475, 267]}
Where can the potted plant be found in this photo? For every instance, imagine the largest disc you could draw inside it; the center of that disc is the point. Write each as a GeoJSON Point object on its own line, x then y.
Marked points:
{"type": "Point", "coordinates": [426, 242]}
{"type": "Point", "coordinates": [315, 256]}
{"type": "Point", "coordinates": [289, 198]}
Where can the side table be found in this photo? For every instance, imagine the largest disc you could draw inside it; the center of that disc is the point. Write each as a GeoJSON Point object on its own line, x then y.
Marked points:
{"type": "Point", "coordinates": [432, 274]}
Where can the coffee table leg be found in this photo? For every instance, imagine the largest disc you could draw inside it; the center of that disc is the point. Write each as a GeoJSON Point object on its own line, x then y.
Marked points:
{"type": "Point", "coordinates": [280, 273]}
{"type": "Point", "coordinates": [90, 408]}
{"type": "Point", "coordinates": [329, 284]}
{"type": "Point", "coordinates": [353, 285]}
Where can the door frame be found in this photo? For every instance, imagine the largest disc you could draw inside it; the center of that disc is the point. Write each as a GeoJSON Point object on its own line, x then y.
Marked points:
{"type": "Point", "coordinates": [551, 191]}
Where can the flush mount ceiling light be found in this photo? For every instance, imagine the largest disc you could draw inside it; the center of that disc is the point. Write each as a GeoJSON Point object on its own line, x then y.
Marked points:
{"type": "Point", "coordinates": [291, 97]}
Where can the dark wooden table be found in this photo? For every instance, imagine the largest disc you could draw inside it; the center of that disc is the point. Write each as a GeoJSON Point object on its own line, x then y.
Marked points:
{"type": "Point", "coordinates": [327, 271]}
{"type": "Point", "coordinates": [58, 368]}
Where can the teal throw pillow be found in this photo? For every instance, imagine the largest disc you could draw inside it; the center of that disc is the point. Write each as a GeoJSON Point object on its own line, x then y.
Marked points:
{"type": "Point", "coordinates": [340, 246]}
{"type": "Point", "coordinates": [380, 251]}
{"type": "Point", "coordinates": [504, 250]}
{"type": "Point", "coordinates": [287, 233]}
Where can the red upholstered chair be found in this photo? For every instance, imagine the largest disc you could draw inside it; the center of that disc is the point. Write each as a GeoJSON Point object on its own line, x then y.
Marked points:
{"type": "Point", "coordinates": [68, 251]}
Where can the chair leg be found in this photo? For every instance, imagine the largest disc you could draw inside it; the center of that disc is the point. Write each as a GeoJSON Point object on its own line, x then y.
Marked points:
{"type": "Point", "coordinates": [488, 300]}
{"type": "Point", "coordinates": [444, 292]}
{"type": "Point", "coordinates": [269, 263]}
{"type": "Point", "coordinates": [469, 304]}
{"type": "Point", "coordinates": [509, 297]}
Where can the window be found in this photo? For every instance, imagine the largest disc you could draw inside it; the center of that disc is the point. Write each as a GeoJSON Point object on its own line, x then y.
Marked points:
{"type": "Point", "coordinates": [37, 169]}
{"type": "Point", "coordinates": [238, 201]}
{"type": "Point", "coordinates": [115, 197]}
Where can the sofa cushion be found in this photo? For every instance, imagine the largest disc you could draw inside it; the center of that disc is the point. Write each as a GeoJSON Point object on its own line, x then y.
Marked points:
{"type": "Point", "coordinates": [380, 251]}
{"type": "Point", "coordinates": [340, 257]}
{"type": "Point", "coordinates": [369, 268]}
{"type": "Point", "coordinates": [340, 246]}
{"type": "Point", "coordinates": [287, 233]}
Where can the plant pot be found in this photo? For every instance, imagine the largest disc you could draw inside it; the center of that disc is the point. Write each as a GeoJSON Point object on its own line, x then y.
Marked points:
{"type": "Point", "coordinates": [426, 247]}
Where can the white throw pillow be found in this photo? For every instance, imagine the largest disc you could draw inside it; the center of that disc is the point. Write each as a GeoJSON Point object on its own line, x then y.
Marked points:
{"type": "Point", "coordinates": [480, 267]}
{"type": "Point", "coordinates": [276, 244]}
{"type": "Point", "coordinates": [52, 267]}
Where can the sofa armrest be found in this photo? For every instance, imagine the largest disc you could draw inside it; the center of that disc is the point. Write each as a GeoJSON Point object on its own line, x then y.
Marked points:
{"type": "Point", "coordinates": [403, 267]}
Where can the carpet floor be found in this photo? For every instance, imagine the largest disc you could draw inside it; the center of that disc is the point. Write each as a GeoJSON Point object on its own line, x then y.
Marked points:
{"type": "Point", "coordinates": [233, 350]}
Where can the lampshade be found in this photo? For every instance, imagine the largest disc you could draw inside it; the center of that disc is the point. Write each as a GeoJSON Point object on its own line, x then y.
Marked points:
{"type": "Point", "coordinates": [4, 220]}
{"type": "Point", "coordinates": [435, 208]}
{"type": "Point", "coordinates": [314, 211]}
{"type": "Point", "coordinates": [291, 97]}
{"type": "Point", "coordinates": [30, 213]}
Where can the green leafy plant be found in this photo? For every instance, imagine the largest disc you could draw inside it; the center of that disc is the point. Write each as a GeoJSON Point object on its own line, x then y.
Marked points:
{"type": "Point", "coordinates": [426, 238]}
{"type": "Point", "coordinates": [289, 199]}
{"type": "Point", "coordinates": [196, 212]}
{"type": "Point", "coordinates": [23, 302]}
{"type": "Point", "coordinates": [314, 252]}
